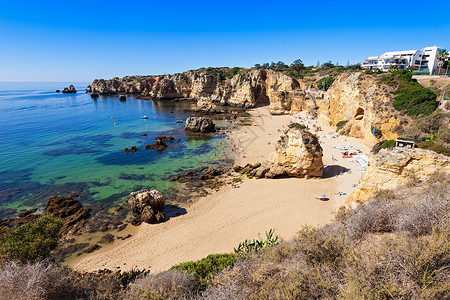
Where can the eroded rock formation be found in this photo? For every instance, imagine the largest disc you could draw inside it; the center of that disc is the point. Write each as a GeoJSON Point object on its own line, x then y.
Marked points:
{"type": "Point", "coordinates": [366, 104]}
{"type": "Point", "coordinates": [247, 88]}
{"type": "Point", "coordinates": [391, 168]}
{"type": "Point", "coordinates": [71, 212]}
{"type": "Point", "coordinates": [199, 124]}
{"type": "Point", "coordinates": [147, 206]}
{"type": "Point", "coordinates": [70, 90]}
{"type": "Point", "coordinates": [297, 154]}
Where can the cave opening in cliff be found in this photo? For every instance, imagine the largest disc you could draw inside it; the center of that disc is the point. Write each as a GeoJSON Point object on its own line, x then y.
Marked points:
{"type": "Point", "coordinates": [359, 113]}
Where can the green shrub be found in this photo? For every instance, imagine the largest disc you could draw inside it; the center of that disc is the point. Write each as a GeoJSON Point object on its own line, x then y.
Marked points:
{"type": "Point", "coordinates": [232, 72]}
{"type": "Point", "coordinates": [410, 97]}
{"type": "Point", "coordinates": [388, 144]}
{"type": "Point", "coordinates": [255, 245]}
{"type": "Point", "coordinates": [31, 242]}
{"type": "Point", "coordinates": [204, 269]}
{"type": "Point", "coordinates": [415, 100]}
{"type": "Point", "coordinates": [299, 126]}
{"type": "Point", "coordinates": [341, 124]}
{"type": "Point", "coordinates": [325, 83]}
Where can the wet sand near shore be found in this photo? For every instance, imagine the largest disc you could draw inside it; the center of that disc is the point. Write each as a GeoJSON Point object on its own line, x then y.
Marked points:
{"type": "Point", "coordinates": [220, 221]}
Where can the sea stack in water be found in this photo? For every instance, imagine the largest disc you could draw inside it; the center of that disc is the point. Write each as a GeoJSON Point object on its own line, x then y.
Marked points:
{"type": "Point", "coordinates": [297, 154]}
{"type": "Point", "coordinates": [147, 206]}
{"type": "Point", "coordinates": [70, 90]}
{"type": "Point", "coordinates": [199, 124]}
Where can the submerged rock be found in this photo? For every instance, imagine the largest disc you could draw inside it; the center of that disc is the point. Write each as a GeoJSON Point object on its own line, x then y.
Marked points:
{"type": "Point", "coordinates": [147, 206]}
{"type": "Point", "coordinates": [70, 90]}
{"type": "Point", "coordinates": [199, 124]}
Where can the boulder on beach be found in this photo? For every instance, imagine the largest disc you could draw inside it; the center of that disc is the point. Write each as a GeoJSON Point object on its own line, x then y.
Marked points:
{"type": "Point", "coordinates": [147, 206]}
{"type": "Point", "coordinates": [199, 124]}
{"type": "Point", "coordinates": [297, 154]}
{"type": "Point", "coordinates": [70, 90]}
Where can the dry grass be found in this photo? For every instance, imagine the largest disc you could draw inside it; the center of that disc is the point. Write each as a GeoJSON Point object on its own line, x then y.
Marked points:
{"type": "Point", "coordinates": [171, 284]}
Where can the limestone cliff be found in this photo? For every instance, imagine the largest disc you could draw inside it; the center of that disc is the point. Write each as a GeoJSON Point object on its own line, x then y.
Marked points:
{"type": "Point", "coordinates": [395, 167]}
{"type": "Point", "coordinates": [214, 86]}
{"type": "Point", "coordinates": [365, 103]}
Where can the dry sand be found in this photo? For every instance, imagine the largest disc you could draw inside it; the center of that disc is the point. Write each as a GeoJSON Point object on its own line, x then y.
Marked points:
{"type": "Point", "coordinates": [219, 222]}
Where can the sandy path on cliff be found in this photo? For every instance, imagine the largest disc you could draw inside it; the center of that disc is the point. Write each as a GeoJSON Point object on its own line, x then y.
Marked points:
{"type": "Point", "coordinates": [219, 222]}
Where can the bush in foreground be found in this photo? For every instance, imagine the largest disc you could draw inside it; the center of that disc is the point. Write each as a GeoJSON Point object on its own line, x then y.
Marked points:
{"type": "Point", "coordinates": [33, 241]}
{"type": "Point", "coordinates": [204, 269]}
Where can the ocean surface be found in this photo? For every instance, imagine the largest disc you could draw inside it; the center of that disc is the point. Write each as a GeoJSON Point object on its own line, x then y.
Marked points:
{"type": "Point", "coordinates": [55, 144]}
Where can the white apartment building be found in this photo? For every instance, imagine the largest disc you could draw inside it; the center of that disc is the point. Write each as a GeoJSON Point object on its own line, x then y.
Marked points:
{"type": "Point", "coordinates": [424, 60]}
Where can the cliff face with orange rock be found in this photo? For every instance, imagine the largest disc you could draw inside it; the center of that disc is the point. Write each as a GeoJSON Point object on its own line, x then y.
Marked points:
{"type": "Point", "coordinates": [246, 88]}
{"type": "Point", "coordinates": [391, 168]}
{"type": "Point", "coordinates": [366, 104]}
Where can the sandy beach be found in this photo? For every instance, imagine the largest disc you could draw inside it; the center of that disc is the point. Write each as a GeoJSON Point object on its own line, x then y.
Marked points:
{"type": "Point", "coordinates": [220, 221]}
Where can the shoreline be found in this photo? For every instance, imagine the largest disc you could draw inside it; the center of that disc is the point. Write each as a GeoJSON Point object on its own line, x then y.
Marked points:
{"type": "Point", "coordinates": [218, 222]}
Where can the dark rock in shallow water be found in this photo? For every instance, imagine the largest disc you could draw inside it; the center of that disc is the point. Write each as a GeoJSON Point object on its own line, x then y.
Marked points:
{"type": "Point", "coordinates": [147, 206]}
{"type": "Point", "coordinates": [190, 174]}
{"type": "Point", "coordinates": [199, 124]}
{"type": "Point", "coordinates": [70, 90]}
{"type": "Point", "coordinates": [159, 145]}
{"type": "Point", "coordinates": [122, 97]}
{"type": "Point", "coordinates": [58, 91]}
{"type": "Point", "coordinates": [107, 238]}
{"type": "Point", "coordinates": [175, 178]}
{"type": "Point", "coordinates": [132, 149]}
{"type": "Point", "coordinates": [69, 209]}
{"type": "Point", "coordinates": [94, 95]}
{"type": "Point", "coordinates": [92, 248]}
{"type": "Point", "coordinates": [164, 138]}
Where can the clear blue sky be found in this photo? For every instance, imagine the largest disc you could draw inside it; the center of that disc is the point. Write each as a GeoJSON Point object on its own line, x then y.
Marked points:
{"type": "Point", "coordinates": [84, 40]}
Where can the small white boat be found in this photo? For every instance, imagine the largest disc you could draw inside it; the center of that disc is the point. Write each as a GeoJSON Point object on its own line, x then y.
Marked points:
{"type": "Point", "coordinates": [144, 117]}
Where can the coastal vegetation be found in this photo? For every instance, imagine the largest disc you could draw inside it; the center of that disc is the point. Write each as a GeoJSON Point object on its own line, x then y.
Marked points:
{"type": "Point", "coordinates": [394, 246]}
{"type": "Point", "coordinates": [325, 83]}
{"type": "Point", "coordinates": [205, 269]}
{"type": "Point", "coordinates": [410, 96]}
{"type": "Point", "coordinates": [31, 242]}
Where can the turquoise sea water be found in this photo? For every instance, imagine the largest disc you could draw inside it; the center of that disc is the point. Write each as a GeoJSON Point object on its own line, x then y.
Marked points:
{"type": "Point", "coordinates": [55, 144]}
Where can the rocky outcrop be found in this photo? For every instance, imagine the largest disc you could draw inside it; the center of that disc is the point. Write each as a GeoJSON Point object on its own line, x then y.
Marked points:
{"type": "Point", "coordinates": [391, 168]}
{"type": "Point", "coordinates": [147, 206]}
{"type": "Point", "coordinates": [214, 86]}
{"type": "Point", "coordinates": [365, 102]}
{"type": "Point", "coordinates": [70, 90]}
{"type": "Point", "coordinates": [199, 124]}
{"type": "Point", "coordinates": [70, 211]}
{"type": "Point", "coordinates": [297, 154]}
